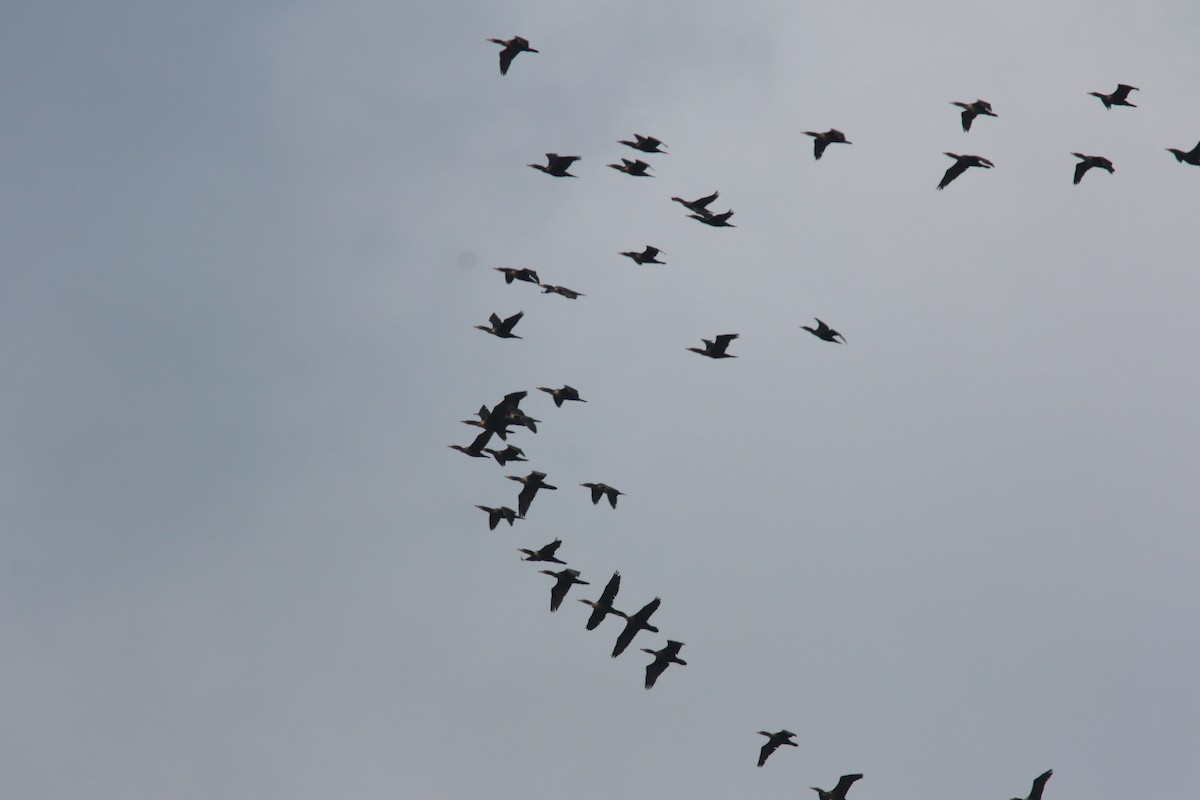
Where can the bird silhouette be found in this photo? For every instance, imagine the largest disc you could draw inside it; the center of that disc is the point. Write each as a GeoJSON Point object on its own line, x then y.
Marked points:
{"type": "Point", "coordinates": [1118, 98]}
{"type": "Point", "coordinates": [716, 348]}
{"type": "Point", "coordinates": [604, 606]}
{"type": "Point", "coordinates": [973, 110]}
{"type": "Point", "coordinates": [476, 448]}
{"type": "Point", "coordinates": [823, 140]}
{"type": "Point", "coordinates": [512, 46]}
{"type": "Point", "coordinates": [510, 453]}
{"type": "Point", "coordinates": [960, 165]}
{"type": "Point", "coordinates": [838, 792]}
{"type": "Point", "coordinates": [823, 331]}
{"type": "Point", "coordinates": [647, 144]}
{"type": "Point", "coordinates": [566, 578]}
{"type": "Point", "coordinates": [543, 553]}
{"type": "Point", "coordinates": [603, 490]}
{"type": "Point", "coordinates": [774, 741]}
{"type": "Point", "coordinates": [518, 274]}
{"type": "Point", "coordinates": [715, 220]}
{"type": "Point", "coordinates": [635, 623]}
{"type": "Point", "coordinates": [699, 205]}
{"type": "Point", "coordinates": [496, 514]}
{"type": "Point", "coordinates": [1192, 157]}
{"type": "Point", "coordinates": [1088, 162]}
{"type": "Point", "coordinates": [563, 394]}
{"type": "Point", "coordinates": [557, 165]}
{"type": "Point", "coordinates": [662, 659]}
{"type": "Point", "coordinates": [570, 294]}
{"type": "Point", "coordinates": [647, 256]}
{"type": "Point", "coordinates": [502, 328]}
{"type": "Point", "coordinates": [635, 168]}
{"type": "Point", "coordinates": [532, 482]}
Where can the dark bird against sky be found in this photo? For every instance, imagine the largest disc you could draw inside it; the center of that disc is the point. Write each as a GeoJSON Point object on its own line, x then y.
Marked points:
{"type": "Point", "coordinates": [517, 44]}
{"type": "Point", "coordinates": [662, 659]}
{"type": "Point", "coordinates": [715, 348]}
{"type": "Point", "coordinates": [962, 164]}
{"type": "Point", "coordinates": [774, 742]}
{"type": "Point", "coordinates": [823, 140]}
{"type": "Point", "coordinates": [1118, 98]}
{"type": "Point", "coordinates": [1087, 162]}
{"type": "Point", "coordinates": [973, 110]}
{"type": "Point", "coordinates": [557, 165]}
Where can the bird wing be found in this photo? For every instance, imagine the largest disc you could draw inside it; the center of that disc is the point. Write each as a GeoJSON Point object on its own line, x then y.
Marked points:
{"type": "Point", "coordinates": [968, 116]}
{"type": "Point", "coordinates": [612, 496]}
{"type": "Point", "coordinates": [1122, 92]}
{"type": "Point", "coordinates": [525, 498]}
{"type": "Point", "coordinates": [844, 784]}
{"type": "Point", "coordinates": [610, 590]}
{"type": "Point", "coordinates": [956, 169]}
{"type": "Point", "coordinates": [1081, 168]}
{"type": "Point", "coordinates": [650, 252]}
{"type": "Point", "coordinates": [549, 550]}
{"type": "Point", "coordinates": [512, 321]}
{"type": "Point", "coordinates": [495, 319]}
{"type": "Point", "coordinates": [1039, 783]}
{"type": "Point", "coordinates": [704, 201]}
{"type": "Point", "coordinates": [480, 440]}
{"type": "Point", "coordinates": [596, 492]}
{"type": "Point", "coordinates": [819, 145]}
{"type": "Point", "coordinates": [506, 57]}
{"type": "Point", "coordinates": [723, 341]}
{"type": "Point", "coordinates": [770, 747]}
{"type": "Point", "coordinates": [625, 638]}
{"type": "Point", "coordinates": [655, 668]}
{"type": "Point", "coordinates": [559, 590]}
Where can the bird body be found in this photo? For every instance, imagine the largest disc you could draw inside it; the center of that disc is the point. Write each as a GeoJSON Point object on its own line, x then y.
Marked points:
{"type": "Point", "coordinates": [510, 453]}
{"type": "Point", "coordinates": [1087, 162]}
{"type": "Point", "coordinates": [532, 482]}
{"type": "Point", "coordinates": [647, 256]}
{"type": "Point", "coordinates": [823, 140]}
{"type": "Point", "coordinates": [647, 144]}
{"type": "Point", "coordinates": [502, 328]}
{"type": "Point", "coordinates": [518, 274]}
{"type": "Point", "coordinates": [715, 348]}
{"type": "Point", "coordinates": [960, 165]}
{"type": "Point", "coordinates": [557, 165]}
{"type": "Point", "coordinates": [544, 553]}
{"type": "Point", "coordinates": [635, 168]}
{"type": "Point", "coordinates": [563, 394]}
{"type": "Point", "coordinates": [603, 490]}
{"type": "Point", "coordinates": [604, 606]}
{"type": "Point", "coordinates": [496, 514]}
{"type": "Point", "coordinates": [715, 220]}
{"type": "Point", "coordinates": [699, 205]}
{"type": "Point", "coordinates": [838, 792]}
{"type": "Point", "coordinates": [1118, 98]}
{"type": "Point", "coordinates": [774, 741]}
{"type": "Point", "coordinates": [1192, 157]}
{"type": "Point", "coordinates": [823, 331]}
{"type": "Point", "coordinates": [476, 448]}
{"type": "Point", "coordinates": [517, 44]}
{"type": "Point", "coordinates": [662, 659]}
{"type": "Point", "coordinates": [570, 294]}
{"type": "Point", "coordinates": [566, 578]}
{"type": "Point", "coordinates": [973, 110]}
{"type": "Point", "coordinates": [635, 623]}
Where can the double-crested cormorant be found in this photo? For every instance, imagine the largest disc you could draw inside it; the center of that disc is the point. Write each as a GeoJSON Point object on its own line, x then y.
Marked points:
{"type": "Point", "coordinates": [510, 453]}
{"type": "Point", "coordinates": [505, 413]}
{"type": "Point", "coordinates": [823, 331]}
{"type": "Point", "coordinates": [502, 328]}
{"type": "Point", "coordinates": [517, 44]}
{"type": "Point", "coordinates": [635, 168]}
{"type": "Point", "coordinates": [1039, 783]}
{"type": "Point", "coordinates": [565, 393]}
{"type": "Point", "coordinates": [973, 110]}
{"type": "Point", "coordinates": [604, 606]}
{"type": "Point", "coordinates": [774, 740]}
{"type": "Point", "coordinates": [647, 256]}
{"type": "Point", "coordinates": [1118, 98]}
{"type": "Point", "coordinates": [544, 553]}
{"type": "Point", "coordinates": [634, 623]}
{"type": "Point", "coordinates": [557, 165]}
{"type": "Point", "coordinates": [716, 347]}
{"type": "Point", "coordinates": [838, 792]}
{"type": "Point", "coordinates": [566, 577]}
{"type": "Point", "coordinates": [497, 514]}
{"type": "Point", "coordinates": [476, 448]}
{"type": "Point", "coordinates": [603, 490]}
{"type": "Point", "coordinates": [823, 140]}
{"type": "Point", "coordinates": [1192, 157]}
{"type": "Point", "coordinates": [1088, 162]}
{"type": "Point", "coordinates": [518, 274]}
{"type": "Point", "coordinates": [698, 206]}
{"type": "Point", "coordinates": [716, 220]}
{"type": "Point", "coordinates": [662, 659]}
{"type": "Point", "coordinates": [960, 165]}
{"type": "Point", "coordinates": [647, 144]}
{"type": "Point", "coordinates": [533, 481]}
{"type": "Point", "coordinates": [570, 294]}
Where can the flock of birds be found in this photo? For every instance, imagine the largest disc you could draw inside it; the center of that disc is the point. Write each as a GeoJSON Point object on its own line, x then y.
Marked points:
{"type": "Point", "coordinates": [505, 415]}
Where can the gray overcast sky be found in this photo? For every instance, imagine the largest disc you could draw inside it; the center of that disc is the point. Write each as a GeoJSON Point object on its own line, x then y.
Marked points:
{"type": "Point", "coordinates": [245, 245]}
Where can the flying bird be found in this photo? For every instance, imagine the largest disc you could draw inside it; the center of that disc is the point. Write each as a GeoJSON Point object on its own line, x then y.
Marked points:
{"type": "Point", "coordinates": [1192, 157]}
{"type": "Point", "coordinates": [505, 413]}
{"type": "Point", "coordinates": [1088, 162]}
{"type": "Point", "coordinates": [647, 144]}
{"type": "Point", "coordinates": [634, 623]}
{"type": "Point", "coordinates": [603, 490]}
{"type": "Point", "coordinates": [716, 348]}
{"type": "Point", "coordinates": [1118, 98]}
{"type": "Point", "coordinates": [1039, 783]}
{"type": "Point", "coordinates": [517, 44]}
{"type": "Point", "coordinates": [557, 165]}
{"type": "Point", "coordinates": [563, 394]}
{"type": "Point", "coordinates": [604, 606]}
{"type": "Point", "coordinates": [476, 448]}
{"type": "Point", "coordinates": [774, 740]}
{"type": "Point", "coordinates": [496, 514]}
{"type": "Point", "coordinates": [502, 328]}
{"type": "Point", "coordinates": [647, 256]}
{"type": "Point", "coordinates": [823, 140]}
{"type": "Point", "coordinates": [960, 165]}
{"type": "Point", "coordinates": [699, 205]}
{"type": "Point", "coordinates": [533, 481]}
{"type": "Point", "coordinates": [566, 578]}
{"type": "Point", "coordinates": [838, 792]}
{"type": "Point", "coordinates": [544, 553]}
{"type": "Point", "coordinates": [518, 274]}
{"type": "Point", "coordinates": [510, 453]}
{"type": "Point", "coordinates": [635, 168]}
{"type": "Point", "coordinates": [823, 331]}
{"type": "Point", "coordinates": [570, 294]}
{"type": "Point", "coordinates": [716, 220]}
{"type": "Point", "coordinates": [973, 110]}
{"type": "Point", "coordinates": [662, 659]}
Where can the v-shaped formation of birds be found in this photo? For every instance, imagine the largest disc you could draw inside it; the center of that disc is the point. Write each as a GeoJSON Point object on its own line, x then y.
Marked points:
{"type": "Point", "coordinates": [507, 414]}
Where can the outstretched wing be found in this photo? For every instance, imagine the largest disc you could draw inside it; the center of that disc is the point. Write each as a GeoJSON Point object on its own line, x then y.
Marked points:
{"type": "Point", "coordinates": [1081, 168]}
{"type": "Point", "coordinates": [722, 341]}
{"type": "Point", "coordinates": [765, 752]}
{"type": "Point", "coordinates": [655, 668]}
{"type": "Point", "coordinates": [956, 169]}
{"type": "Point", "coordinates": [844, 784]}
{"type": "Point", "coordinates": [1039, 783]}
{"type": "Point", "coordinates": [506, 57]}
